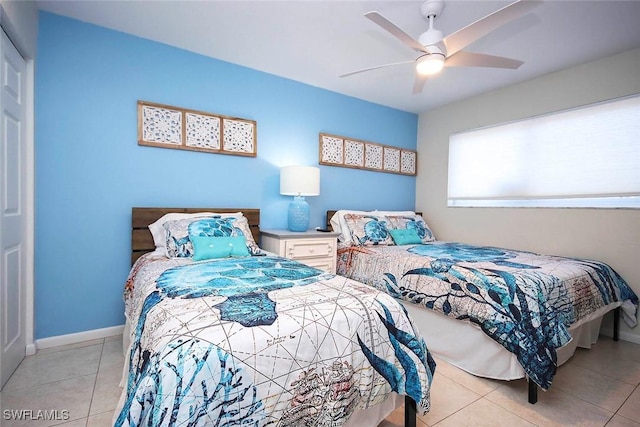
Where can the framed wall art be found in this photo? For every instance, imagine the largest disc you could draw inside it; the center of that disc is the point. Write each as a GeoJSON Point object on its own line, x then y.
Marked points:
{"type": "Point", "coordinates": [347, 152]}
{"type": "Point", "coordinates": [167, 126]}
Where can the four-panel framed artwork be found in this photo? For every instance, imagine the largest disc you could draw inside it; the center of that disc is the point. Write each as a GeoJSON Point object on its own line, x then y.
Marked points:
{"type": "Point", "coordinates": [347, 152]}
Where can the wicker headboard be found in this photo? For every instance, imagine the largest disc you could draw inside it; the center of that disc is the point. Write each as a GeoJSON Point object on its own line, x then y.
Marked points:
{"type": "Point", "coordinates": [142, 241]}
{"type": "Point", "coordinates": [330, 213]}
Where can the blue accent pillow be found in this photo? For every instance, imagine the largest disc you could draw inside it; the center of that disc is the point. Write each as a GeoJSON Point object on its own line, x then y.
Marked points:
{"type": "Point", "coordinates": [205, 247]}
{"type": "Point", "coordinates": [405, 236]}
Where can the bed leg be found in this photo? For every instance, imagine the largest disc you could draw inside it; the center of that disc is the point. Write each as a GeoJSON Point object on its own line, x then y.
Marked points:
{"type": "Point", "coordinates": [616, 324]}
{"type": "Point", "coordinates": [533, 392]}
{"type": "Point", "coordinates": [410, 412]}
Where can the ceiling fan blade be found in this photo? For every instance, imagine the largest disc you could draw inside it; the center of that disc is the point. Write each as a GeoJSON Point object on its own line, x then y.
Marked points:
{"type": "Point", "coordinates": [418, 83]}
{"type": "Point", "coordinates": [472, 32]}
{"type": "Point", "coordinates": [471, 59]}
{"type": "Point", "coordinates": [396, 31]}
{"type": "Point", "coordinates": [376, 67]}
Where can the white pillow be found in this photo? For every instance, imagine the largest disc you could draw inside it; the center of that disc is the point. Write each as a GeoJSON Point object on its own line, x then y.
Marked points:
{"type": "Point", "coordinates": [339, 224]}
{"type": "Point", "coordinates": [160, 234]}
{"type": "Point", "coordinates": [393, 213]}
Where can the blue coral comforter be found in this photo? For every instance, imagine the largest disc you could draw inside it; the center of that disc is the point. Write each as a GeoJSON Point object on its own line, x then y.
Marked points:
{"type": "Point", "coordinates": [262, 341]}
{"type": "Point", "coordinates": [522, 300]}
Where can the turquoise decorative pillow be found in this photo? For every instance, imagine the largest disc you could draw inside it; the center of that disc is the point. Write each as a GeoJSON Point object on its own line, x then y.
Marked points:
{"type": "Point", "coordinates": [415, 222]}
{"type": "Point", "coordinates": [405, 236]}
{"type": "Point", "coordinates": [205, 247]}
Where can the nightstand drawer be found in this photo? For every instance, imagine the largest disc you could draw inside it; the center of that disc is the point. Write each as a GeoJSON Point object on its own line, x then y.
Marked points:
{"type": "Point", "coordinates": [324, 264]}
{"type": "Point", "coordinates": [307, 248]}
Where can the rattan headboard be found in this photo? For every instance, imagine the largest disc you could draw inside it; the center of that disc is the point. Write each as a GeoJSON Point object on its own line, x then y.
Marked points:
{"type": "Point", "coordinates": [142, 241]}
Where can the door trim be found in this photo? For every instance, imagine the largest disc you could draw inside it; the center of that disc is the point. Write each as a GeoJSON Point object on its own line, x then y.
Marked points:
{"type": "Point", "coordinates": [29, 192]}
{"type": "Point", "coordinates": [30, 207]}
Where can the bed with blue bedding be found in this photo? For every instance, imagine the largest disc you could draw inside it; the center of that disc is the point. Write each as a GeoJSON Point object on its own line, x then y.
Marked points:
{"type": "Point", "coordinates": [524, 301]}
{"type": "Point", "coordinates": [255, 339]}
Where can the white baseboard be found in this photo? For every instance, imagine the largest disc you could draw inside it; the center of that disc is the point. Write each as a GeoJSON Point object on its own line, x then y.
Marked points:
{"type": "Point", "coordinates": [626, 336]}
{"type": "Point", "coordinates": [623, 335]}
{"type": "Point", "coordinates": [76, 338]}
{"type": "Point", "coordinates": [31, 349]}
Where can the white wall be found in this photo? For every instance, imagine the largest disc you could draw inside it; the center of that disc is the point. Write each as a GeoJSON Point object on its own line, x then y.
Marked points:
{"type": "Point", "coordinates": [609, 235]}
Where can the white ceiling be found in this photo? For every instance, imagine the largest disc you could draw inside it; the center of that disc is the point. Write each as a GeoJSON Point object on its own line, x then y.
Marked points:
{"type": "Point", "coordinates": [316, 41]}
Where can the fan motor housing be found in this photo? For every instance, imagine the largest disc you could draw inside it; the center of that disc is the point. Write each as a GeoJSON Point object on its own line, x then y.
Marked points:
{"type": "Point", "coordinates": [430, 37]}
{"type": "Point", "coordinates": [432, 8]}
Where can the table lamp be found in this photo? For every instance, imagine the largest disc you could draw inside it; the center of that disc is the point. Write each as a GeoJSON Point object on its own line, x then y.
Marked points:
{"type": "Point", "coordinates": [299, 181]}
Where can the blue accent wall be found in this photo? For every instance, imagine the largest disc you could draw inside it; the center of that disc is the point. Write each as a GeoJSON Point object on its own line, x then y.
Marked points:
{"type": "Point", "coordinates": [90, 169]}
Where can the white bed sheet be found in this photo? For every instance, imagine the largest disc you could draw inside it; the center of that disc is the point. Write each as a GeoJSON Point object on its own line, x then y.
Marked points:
{"type": "Point", "coordinates": [474, 352]}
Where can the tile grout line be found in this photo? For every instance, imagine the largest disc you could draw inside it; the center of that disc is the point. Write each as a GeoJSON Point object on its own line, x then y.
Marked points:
{"type": "Point", "coordinates": [465, 406]}
{"type": "Point", "coordinates": [613, 414]}
{"type": "Point", "coordinates": [604, 374]}
{"type": "Point", "coordinates": [570, 393]}
{"type": "Point", "coordinates": [46, 354]}
{"type": "Point", "coordinates": [625, 401]}
{"type": "Point", "coordinates": [95, 382]}
{"type": "Point", "coordinates": [506, 409]}
{"type": "Point", "coordinates": [517, 415]}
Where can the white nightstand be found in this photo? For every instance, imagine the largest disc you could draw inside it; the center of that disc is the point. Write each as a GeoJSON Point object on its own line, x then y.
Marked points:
{"type": "Point", "coordinates": [314, 248]}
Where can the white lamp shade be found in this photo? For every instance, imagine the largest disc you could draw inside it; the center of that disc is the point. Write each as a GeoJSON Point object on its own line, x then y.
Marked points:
{"type": "Point", "coordinates": [299, 181]}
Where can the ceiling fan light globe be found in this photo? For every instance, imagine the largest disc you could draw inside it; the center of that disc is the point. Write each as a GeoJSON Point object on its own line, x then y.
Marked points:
{"type": "Point", "coordinates": [429, 65]}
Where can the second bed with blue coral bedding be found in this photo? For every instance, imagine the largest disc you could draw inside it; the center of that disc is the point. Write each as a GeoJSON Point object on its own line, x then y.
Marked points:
{"type": "Point", "coordinates": [526, 302]}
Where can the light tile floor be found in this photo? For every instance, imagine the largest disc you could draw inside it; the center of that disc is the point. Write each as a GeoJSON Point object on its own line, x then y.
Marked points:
{"type": "Point", "coordinates": [596, 387]}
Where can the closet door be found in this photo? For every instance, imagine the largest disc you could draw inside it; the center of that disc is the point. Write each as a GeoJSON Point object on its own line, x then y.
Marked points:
{"type": "Point", "coordinates": [13, 219]}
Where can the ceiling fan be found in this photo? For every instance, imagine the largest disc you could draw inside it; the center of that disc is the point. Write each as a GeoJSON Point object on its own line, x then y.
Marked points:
{"type": "Point", "coordinates": [436, 51]}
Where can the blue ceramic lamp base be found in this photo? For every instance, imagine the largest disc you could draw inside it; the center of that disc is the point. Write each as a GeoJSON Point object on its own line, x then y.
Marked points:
{"type": "Point", "coordinates": [298, 214]}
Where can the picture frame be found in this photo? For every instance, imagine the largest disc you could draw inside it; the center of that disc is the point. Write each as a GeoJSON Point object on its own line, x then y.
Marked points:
{"type": "Point", "coordinates": [167, 126]}
{"type": "Point", "coordinates": [335, 150]}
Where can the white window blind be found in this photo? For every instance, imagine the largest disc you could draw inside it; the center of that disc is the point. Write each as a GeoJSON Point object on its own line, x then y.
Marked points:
{"type": "Point", "coordinates": [584, 157]}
